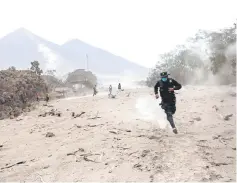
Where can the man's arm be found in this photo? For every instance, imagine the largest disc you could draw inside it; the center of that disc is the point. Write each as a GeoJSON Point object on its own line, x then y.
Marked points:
{"type": "Point", "coordinates": [177, 86]}
{"type": "Point", "coordinates": [156, 87]}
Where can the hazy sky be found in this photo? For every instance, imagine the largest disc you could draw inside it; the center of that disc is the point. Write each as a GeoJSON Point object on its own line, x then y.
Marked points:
{"type": "Point", "coordinates": [138, 30]}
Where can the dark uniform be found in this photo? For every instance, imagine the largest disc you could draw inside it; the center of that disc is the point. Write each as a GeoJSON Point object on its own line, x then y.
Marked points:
{"type": "Point", "coordinates": [47, 98]}
{"type": "Point", "coordinates": [119, 86]}
{"type": "Point", "coordinates": [168, 97]}
{"type": "Point", "coordinates": [94, 91]}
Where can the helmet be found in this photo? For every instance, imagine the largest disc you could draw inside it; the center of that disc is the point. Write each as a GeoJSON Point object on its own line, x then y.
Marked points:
{"type": "Point", "coordinates": [164, 74]}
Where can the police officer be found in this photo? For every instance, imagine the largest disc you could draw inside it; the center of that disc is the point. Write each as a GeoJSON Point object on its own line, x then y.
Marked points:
{"type": "Point", "coordinates": [167, 86]}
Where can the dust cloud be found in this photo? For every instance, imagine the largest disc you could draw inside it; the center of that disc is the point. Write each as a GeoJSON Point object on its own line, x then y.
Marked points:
{"type": "Point", "coordinates": [149, 110]}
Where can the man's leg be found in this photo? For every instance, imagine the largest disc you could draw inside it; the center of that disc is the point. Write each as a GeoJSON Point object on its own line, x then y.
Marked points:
{"type": "Point", "coordinates": [170, 110]}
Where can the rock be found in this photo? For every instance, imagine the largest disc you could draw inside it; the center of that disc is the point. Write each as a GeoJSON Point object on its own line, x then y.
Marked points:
{"type": "Point", "coordinates": [197, 118]}
{"type": "Point", "coordinates": [50, 134]}
{"type": "Point", "coordinates": [137, 165]}
{"type": "Point", "coordinates": [79, 115]}
{"type": "Point", "coordinates": [45, 167]}
{"type": "Point", "coordinates": [227, 117]}
{"type": "Point", "coordinates": [151, 178]}
{"type": "Point", "coordinates": [74, 153]}
{"type": "Point", "coordinates": [42, 115]}
{"type": "Point", "coordinates": [19, 119]}
{"type": "Point", "coordinates": [218, 164]}
{"type": "Point", "coordinates": [216, 137]}
{"type": "Point", "coordinates": [215, 107]}
{"type": "Point", "coordinates": [114, 132]}
{"type": "Point", "coordinates": [145, 152]}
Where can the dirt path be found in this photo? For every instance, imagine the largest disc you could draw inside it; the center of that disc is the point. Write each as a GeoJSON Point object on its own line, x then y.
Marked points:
{"type": "Point", "coordinates": [109, 142]}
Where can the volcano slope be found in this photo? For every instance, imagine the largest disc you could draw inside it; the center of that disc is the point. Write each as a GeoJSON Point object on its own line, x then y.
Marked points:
{"type": "Point", "coordinates": [110, 142]}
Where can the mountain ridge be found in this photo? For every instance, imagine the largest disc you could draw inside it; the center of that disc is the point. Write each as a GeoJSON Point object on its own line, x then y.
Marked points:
{"type": "Point", "coordinates": [20, 47]}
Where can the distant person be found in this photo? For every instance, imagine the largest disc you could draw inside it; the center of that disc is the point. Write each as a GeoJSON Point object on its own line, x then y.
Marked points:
{"type": "Point", "coordinates": [110, 90]}
{"type": "Point", "coordinates": [119, 86]}
{"type": "Point", "coordinates": [23, 98]}
{"type": "Point", "coordinates": [47, 98]}
{"type": "Point", "coordinates": [37, 97]}
{"type": "Point", "coordinates": [94, 91]}
{"type": "Point", "coordinates": [168, 100]}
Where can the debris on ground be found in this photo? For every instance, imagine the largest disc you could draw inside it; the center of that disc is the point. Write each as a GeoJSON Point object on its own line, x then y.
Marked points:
{"type": "Point", "coordinates": [45, 167]}
{"type": "Point", "coordinates": [111, 96]}
{"type": "Point", "coordinates": [227, 117]}
{"type": "Point", "coordinates": [216, 137]}
{"type": "Point", "coordinates": [112, 131]}
{"type": "Point", "coordinates": [215, 107]}
{"type": "Point", "coordinates": [85, 157]}
{"type": "Point", "coordinates": [52, 112]}
{"type": "Point", "coordinates": [19, 119]}
{"type": "Point", "coordinates": [50, 134]}
{"type": "Point", "coordinates": [18, 163]}
{"type": "Point", "coordinates": [197, 119]}
{"type": "Point", "coordinates": [144, 153]}
{"type": "Point", "coordinates": [137, 165]}
{"type": "Point", "coordinates": [74, 153]}
{"type": "Point", "coordinates": [77, 115]}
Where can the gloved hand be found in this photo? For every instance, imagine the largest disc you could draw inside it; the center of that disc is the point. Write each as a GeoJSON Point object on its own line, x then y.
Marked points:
{"type": "Point", "coordinates": [171, 89]}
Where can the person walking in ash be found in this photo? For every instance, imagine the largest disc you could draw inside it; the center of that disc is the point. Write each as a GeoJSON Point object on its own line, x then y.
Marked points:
{"type": "Point", "coordinates": [37, 97]}
{"type": "Point", "coordinates": [119, 86]}
{"type": "Point", "coordinates": [47, 98]}
{"type": "Point", "coordinates": [94, 91]}
{"type": "Point", "coordinates": [166, 87]}
{"type": "Point", "coordinates": [110, 90]}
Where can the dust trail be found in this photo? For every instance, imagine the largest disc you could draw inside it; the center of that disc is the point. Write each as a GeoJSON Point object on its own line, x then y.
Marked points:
{"type": "Point", "coordinates": [149, 110]}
